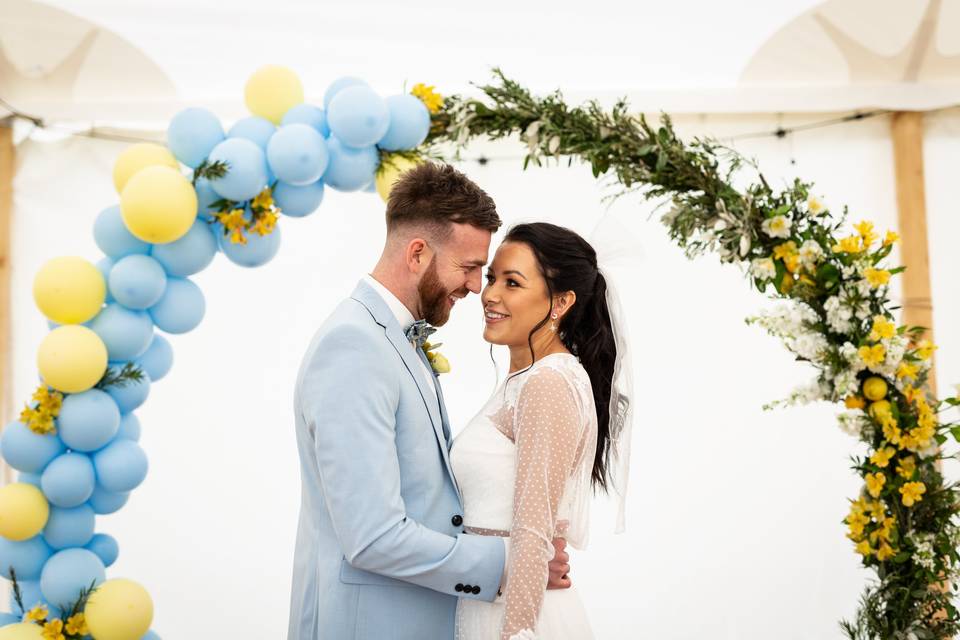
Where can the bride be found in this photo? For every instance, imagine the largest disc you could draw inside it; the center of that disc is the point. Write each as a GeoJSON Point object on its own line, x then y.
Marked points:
{"type": "Point", "coordinates": [527, 463]}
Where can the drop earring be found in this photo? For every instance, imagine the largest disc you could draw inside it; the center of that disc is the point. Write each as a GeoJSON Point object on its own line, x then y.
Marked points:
{"type": "Point", "coordinates": [553, 325]}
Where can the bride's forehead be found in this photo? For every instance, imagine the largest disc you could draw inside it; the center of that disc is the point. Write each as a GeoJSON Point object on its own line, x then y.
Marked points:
{"type": "Point", "coordinates": [516, 253]}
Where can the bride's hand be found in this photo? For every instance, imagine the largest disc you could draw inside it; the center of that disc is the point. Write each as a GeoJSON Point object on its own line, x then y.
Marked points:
{"type": "Point", "coordinates": [559, 566]}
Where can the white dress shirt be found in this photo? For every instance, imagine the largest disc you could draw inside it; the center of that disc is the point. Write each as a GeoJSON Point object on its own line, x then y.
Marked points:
{"type": "Point", "coordinates": [404, 318]}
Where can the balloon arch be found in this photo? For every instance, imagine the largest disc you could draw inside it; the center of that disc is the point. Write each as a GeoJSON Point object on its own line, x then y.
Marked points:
{"type": "Point", "coordinates": [76, 442]}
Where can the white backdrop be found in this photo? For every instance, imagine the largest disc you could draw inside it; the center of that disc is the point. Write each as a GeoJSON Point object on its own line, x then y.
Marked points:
{"type": "Point", "coordinates": [734, 522]}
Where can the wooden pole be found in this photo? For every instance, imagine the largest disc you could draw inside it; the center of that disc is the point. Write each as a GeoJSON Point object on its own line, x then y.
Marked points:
{"type": "Point", "coordinates": [7, 169]}
{"type": "Point", "coordinates": [907, 132]}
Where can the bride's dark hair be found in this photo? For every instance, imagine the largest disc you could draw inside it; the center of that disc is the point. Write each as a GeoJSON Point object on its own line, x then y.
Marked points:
{"type": "Point", "coordinates": [568, 263]}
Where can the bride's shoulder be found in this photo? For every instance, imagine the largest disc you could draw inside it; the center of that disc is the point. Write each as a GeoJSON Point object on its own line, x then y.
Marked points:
{"type": "Point", "coordinates": [552, 374]}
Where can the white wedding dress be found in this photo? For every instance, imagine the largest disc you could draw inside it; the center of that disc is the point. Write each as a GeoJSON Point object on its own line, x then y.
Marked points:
{"type": "Point", "coordinates": [524, 465]}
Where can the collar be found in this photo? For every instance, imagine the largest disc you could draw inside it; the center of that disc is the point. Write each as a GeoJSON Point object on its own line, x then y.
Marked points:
{"type": "Point", "coordinates": [397, 308]}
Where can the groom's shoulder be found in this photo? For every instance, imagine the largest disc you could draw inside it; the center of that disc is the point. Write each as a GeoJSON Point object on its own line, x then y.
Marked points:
{"type": "Point", "coordinates": [350, 321]}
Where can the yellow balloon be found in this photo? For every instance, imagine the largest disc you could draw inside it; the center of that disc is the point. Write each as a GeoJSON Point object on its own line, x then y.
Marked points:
{"type": "Point", "coordinates": [390, 171]}
{"type": "Point", "coordinates": [69, 290]}
{"type": "Point", "coordinates": [137, 157]}
{"type": "Point", "coordinates": [119, 609]}
{"type": "Point", "coordinates": [271, 91]}
{"type": "Point", "coordinates": [21, 631]}
{"type": "Point", "coordinates": [23, 511]}
{"type": "Point", "coordinates": [72, 358]}
{"type": "Point", "coordinates": [158, 205]}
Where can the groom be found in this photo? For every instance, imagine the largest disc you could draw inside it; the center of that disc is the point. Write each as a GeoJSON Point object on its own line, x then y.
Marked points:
{"type": "Point", "coordinates": [381, 552]}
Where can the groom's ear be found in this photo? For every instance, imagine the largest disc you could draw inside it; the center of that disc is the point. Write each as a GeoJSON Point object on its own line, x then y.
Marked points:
{"type": "Point", "coordinates": [417, 255]}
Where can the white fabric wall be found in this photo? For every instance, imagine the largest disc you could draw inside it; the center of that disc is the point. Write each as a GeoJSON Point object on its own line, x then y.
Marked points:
{"type": "Point", "coordinates": [734, 522]}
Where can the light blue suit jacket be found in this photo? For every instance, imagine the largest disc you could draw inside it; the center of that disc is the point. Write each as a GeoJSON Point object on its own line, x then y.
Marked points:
{"type": "Point", "coordinates": [381, 552]}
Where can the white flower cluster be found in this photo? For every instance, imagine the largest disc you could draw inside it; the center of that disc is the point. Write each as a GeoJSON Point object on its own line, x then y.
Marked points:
{"type": "Point", "coordinates": [793, 323]}
{"type": "Point", "coordinates": [923, 554]}
{"type": "Point", "coordinates": [811, 253]}
{"type": "Point", "coordinates": [804, 394]}
{"type": "Point", "coordinates": [854, 424]}
{"type": "Point", "coordinates": [849, 306]}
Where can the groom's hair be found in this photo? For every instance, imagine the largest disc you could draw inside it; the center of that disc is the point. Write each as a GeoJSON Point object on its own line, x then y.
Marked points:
{"type": "Point", "coordinates": [434, 195]}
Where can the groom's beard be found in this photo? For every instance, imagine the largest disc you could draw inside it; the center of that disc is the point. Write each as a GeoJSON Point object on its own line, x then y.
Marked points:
{"type": "Point", "coordinates": [434, 306]}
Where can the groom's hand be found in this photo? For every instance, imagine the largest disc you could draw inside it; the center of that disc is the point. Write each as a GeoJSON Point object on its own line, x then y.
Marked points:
{"type": "Point", "coordinates": [559, 566]}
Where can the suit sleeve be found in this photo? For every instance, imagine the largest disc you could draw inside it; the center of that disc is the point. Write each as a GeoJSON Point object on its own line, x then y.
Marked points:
{"type": "Point", "coordinates": [349, 397]}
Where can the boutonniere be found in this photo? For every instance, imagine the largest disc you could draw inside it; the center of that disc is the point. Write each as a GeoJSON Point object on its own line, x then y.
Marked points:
{"type": "Point", "coordinates": [438, 362]}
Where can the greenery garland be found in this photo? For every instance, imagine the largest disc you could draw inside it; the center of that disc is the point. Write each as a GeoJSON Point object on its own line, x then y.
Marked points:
{"type": "Point", "coordinates": [836, 315]}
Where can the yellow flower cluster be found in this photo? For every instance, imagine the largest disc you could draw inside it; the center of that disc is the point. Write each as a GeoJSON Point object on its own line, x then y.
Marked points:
{"type": "Point", "coordinates": [38, 614]}
{"type": "Point", "coordinates": [882, 532]}
{"type": "Point", "coordinates": [437, 360]}
{"type": "Point", "coordinates": [76, 625]}
{"type": "Point", "coordinates": [863, 239]}
{"type": "Point", "coordinates": [429, 97]}
{"type": "Point", "coordinates": [262, 222]}
{"type": "Point", "coordinates": [53, 630]}
{"type": "Point", "coordinates": [40, 418]}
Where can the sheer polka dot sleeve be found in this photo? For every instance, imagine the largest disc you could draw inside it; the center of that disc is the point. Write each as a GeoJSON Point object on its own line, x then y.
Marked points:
{"type": "Point", "coordinates": [548, 428]}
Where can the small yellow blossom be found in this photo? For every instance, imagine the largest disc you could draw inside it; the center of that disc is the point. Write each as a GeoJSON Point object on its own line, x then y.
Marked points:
{"type": "Point", "coordinates": [38, 613]}
{"type": "Point", "coordinates": [872, 356]}
{"type": "Point", "coordinates": [882, 329]}
{"type": "Point", "coordinates": [882, 457]}
{"type": "Point", "coordinates": [863, 548]}
{"type": "Point", "coordinates": [878, 510]}
{"type": "Point", "coordinates": [907, 467]}
{"type": "Point", "coordinates": [907, 370]}
{"type": "Point", "coordinates": [850, 244]}
{"type": "Point", "coordinates": [77, 625]}
{"type": "Point", "coordinates": [785, 250]}
{"type": "Point", "coordinates": [265, 223]}
{"type": "Point", "coordinates": [865, 229]}
{"type": "Point", "coordinates": [53, 630]}
{"type": "Point", "coordinates": [875, 482]}
{"type": "Point", "coordinates": [890, 238]}
{"type": "Point", "coordinates": [911, 394]}
{"type": "Point", "coordinates": [885, 552]}
{"type": "Point", "coordinates": [925, 349]}
{"type": "Point", "coordinates": [237, 237]}
{"type": "Point", "coordinates": [912, 492]}
{"type": "Point", "coordinates": [264, 199]}
{"type": "Point", "coordinates": [876, 277]}
{"type": "Point", "coordinates": [432, 99]}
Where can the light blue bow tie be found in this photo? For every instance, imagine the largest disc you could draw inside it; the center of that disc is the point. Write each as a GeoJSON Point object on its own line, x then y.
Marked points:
{"type": "Point", "coordinates": [418, 332]}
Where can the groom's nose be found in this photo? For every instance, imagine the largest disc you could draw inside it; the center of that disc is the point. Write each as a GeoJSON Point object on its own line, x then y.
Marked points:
{"type": "Point", "coordinates": [473, 281]}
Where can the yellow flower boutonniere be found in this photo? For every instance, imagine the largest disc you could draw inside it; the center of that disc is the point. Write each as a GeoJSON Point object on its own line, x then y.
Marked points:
{"type": "Point", "coordinates": [438, 362]}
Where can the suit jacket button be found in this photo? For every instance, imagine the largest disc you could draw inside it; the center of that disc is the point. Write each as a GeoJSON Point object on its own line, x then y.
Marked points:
{"type": "Point", "coordinates": [457, 520]}
{"type": "Point", "coordinates": [476, 590]}
{"type": "Point", "coordinates": [467, 588]}
{"type": "Point", "coordinates": [458, 588]}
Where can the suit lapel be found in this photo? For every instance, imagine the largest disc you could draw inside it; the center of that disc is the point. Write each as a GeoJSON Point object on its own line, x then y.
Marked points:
{"type": "Point", "coordinates": [369, 298]}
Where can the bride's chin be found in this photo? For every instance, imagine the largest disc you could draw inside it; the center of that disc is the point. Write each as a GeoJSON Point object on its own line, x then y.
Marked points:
{"type": "Point", "coordinates": [491, 336]}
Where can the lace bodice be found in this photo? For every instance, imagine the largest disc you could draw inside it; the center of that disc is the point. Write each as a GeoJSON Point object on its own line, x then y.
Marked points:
{"type": "Point", "coordinates": [523, 465]}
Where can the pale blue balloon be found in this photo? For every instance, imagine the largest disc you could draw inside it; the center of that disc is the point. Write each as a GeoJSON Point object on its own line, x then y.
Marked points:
{"type": "Point", "coordinates": [68, 480]}
{"type": "Point", "coordinates": [297, 154]}
{"type": "Point", "coordinates": [409, 123]}
{"type": "Point", "coordinates": [104, 265]}
{"type": "Point", "coordinates": [29, 478]}
{"type": "Point", "coordinates": [132, 394]}
{"type": "Point", "coordinates": [350, 169]}
{"type": "Point", "coordinates": [157, 360]}
{"type": "Point", "coordinates": [192, 253]}
{"type": "Point", "coordinates": [26, 557]}
{"type": "Point", "coordinates": [338, 85]}
{"type": "Point", "coordinates": [137, 282]}
{"type": "Point", "coordinates": [307, 114]}
{"type": "Point", "coordinates": [125, 332]}
{"type": "Point", "coordinates": [121, 466]}
{"type": "Point", "coordinates": [71, 527]}
{"type": "Point", "coordinates": [358, 117]}
{"type": "Point", "coordinates": [181, 308]}
{"type": "Point", "coordinates": [298, 201]}
{"type": "Point", "coordinates": [129, 427]}
{"type": "Point", "coordinates": [371, 188]}
{"type": "Point", "coordinates": [112, 236]}
{"type": "Point", "coordinates": [68, 572]}
{"type": "Point", "coordinates": [151, 635]}
{"type": "Point", "coordinates": [88, 420]}
{"type": "Point", "coordinates": [106, 502]}
{"type": "Point", "coordinates": [27, 451]}
{"type": "Point", "coordinates": [206, 196]}
{"type": "Point", "coordinates": [192, 135]}
{"type": "Point", "coordinates": [255, 129]}
{"type": "Point", "coordinates": [106, 548]}
{"type": "Point", "coordinates": [9, 618]}
{"type": "Point", "coordinates": [247, 169]}
{"type": "Point", "coordinates": [258, 251]}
